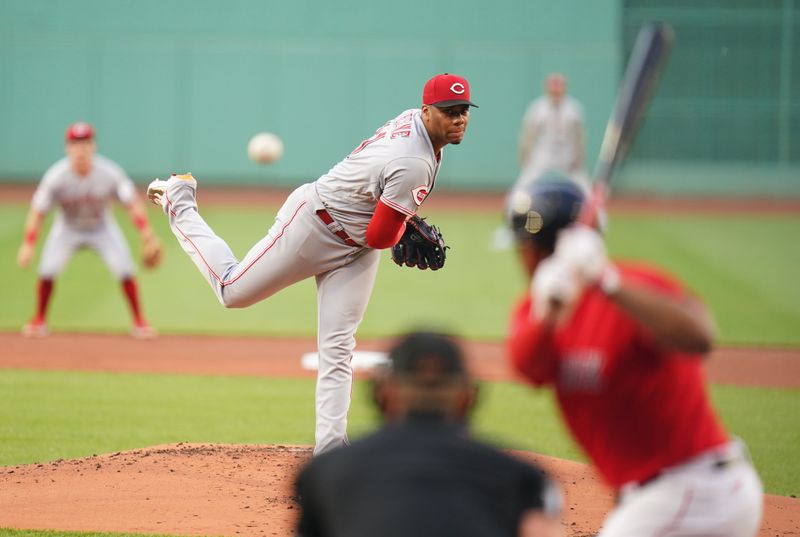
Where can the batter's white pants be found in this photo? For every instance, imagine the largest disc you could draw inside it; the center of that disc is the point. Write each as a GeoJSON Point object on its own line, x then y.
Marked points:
{"type": "Point", "coordinates": [298, 245]}
{"type": "Point", "coordinates": [697, 498]}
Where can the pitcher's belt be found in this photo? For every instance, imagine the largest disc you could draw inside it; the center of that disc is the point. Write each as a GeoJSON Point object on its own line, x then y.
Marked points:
{"type": "Point", "coordinates": [335, 228]}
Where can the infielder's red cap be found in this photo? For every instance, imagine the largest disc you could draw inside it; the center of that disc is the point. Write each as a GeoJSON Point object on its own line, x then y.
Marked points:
{"type": "Point", "coordinates": [79, 131]}
{"type": "Point", "coordinates": [447, 90]}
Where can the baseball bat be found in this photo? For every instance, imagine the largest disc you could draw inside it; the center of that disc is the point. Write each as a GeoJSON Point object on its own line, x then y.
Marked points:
{"type": "Point", "coordinates": [645, 65]}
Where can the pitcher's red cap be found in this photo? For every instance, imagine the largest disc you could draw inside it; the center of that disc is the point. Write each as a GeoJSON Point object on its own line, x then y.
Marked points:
{"type": "Point", "coordinates": [79, 131]}
{"type": "Point", "coordinates": [447, 90]}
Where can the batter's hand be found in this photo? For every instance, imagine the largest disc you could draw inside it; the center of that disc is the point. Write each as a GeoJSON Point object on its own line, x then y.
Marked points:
{"type": "Point", "coordinates": [25, 255]}
{"type": "Point", "coordinates": [555, 288]}
{"type": "Point", "coordinates": [583, 249]}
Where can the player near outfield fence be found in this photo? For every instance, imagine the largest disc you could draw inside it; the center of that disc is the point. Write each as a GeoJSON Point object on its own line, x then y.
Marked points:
{"type": "Point", "coordinates": [622, 344]}
{"type": "Point", "coordinates": [83, 185]}
{"type": "Point", "coordinates": [332, 229]}
{"type": "Point", "coordinates": [552, 137]}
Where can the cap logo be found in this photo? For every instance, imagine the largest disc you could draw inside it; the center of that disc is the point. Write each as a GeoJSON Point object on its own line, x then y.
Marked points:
{"type": "Point", "coordinates": [458, 88]}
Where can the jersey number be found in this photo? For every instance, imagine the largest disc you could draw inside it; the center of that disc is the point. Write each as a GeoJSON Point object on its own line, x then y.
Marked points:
{"type": "Point", "coordinates": [401, 129]}
{"type": "Point", "coordinates": [380, 133]}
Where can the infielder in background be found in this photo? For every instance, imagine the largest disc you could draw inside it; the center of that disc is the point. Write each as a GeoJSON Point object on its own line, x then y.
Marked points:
{"type": "Point", "coordinates": [332, 229]}
{"type": "Point", "coordinates": [552, 135]}
{"type": "Point", "coordinates": [421, 473]}
{"type": "Point", "coordinates": [83, 185]}
{"type": "Point", "coordinates": [623, 346]}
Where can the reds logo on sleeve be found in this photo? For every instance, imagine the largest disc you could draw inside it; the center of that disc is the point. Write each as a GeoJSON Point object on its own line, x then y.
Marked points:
{"type": "Point", "coordinates": [419, 194]}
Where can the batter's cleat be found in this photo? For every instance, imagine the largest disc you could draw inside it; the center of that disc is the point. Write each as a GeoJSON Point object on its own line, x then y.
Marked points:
{"type": "Point", "coordinates": [35, 328]}
{"type": "Point", "coordinates": [142, 330]}
{"type": "Point", "coordinates": [157, 189]}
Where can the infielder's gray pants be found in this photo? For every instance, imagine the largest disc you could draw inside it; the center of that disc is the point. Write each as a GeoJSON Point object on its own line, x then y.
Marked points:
{"type": "Point", "coordinates": [297, 246]}
{"type": "Point", "coordinates": [106, 239]}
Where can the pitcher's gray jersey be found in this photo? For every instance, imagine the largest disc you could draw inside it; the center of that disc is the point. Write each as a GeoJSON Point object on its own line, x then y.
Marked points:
{"type": "Point", "coordinates": [320, 232]}
{"type": "Point", "coordinates": [396, 165]}
{"type": "Point", "coordinates": [84, 202]}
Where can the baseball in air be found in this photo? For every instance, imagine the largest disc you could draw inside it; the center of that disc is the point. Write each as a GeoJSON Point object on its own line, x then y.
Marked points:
{"type": "Point", "coordinates": [265, 148]}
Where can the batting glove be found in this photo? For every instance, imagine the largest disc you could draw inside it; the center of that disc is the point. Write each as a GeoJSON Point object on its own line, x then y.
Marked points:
{"type": "Point", "coordinates": [555, 286]}
{"type": "Point", "coordinates": [582, 248]}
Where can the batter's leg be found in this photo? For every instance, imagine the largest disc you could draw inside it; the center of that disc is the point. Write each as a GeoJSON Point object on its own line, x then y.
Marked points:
{"type": "Point", "coordinates": [342, 297]}
{"type": "Point", "coordinates": [699, 500]}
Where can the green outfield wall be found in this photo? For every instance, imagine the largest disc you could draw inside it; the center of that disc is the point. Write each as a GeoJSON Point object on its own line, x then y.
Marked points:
{"type": "Point", "coordinates": [182, 85]}
{"type": "Point", "coordinates": [727, 116]}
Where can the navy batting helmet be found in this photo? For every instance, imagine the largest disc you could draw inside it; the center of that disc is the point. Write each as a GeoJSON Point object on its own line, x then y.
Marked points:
{"type": "Point", "coordinates": [537, 211]}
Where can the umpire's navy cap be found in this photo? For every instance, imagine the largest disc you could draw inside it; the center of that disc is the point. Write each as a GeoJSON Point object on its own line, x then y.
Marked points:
{"type": "Point", "coordinates": [429, 356]}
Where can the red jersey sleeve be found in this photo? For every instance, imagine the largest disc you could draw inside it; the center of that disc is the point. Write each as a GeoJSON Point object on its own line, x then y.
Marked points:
{"type": "Point", "coordinates": [656, 280]}
{"type": "Point", "coordinates": [652, 278]}
{"type": "Point", "coordinates": [386, 227]}
{"type": "Point", "coordinates": [531, 346]}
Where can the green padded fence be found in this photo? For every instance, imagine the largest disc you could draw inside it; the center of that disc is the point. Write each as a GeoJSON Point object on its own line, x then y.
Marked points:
{"type": "Point", "coordinates": [727, 116]}
{"type": "Point", "coordinates": [178, 85]}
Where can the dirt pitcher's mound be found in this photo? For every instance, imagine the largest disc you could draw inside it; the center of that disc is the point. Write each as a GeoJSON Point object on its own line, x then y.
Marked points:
{"type": "Point", "coordinates": [182, 489]}
{"type": "Point", "coordinates": [208, 489]}
{"type": "Point", "coordinates": [212, 489]}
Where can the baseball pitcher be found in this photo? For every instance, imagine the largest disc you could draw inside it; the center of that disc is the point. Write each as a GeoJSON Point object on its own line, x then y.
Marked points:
{"type": "Point", "coordinates": [333, 229]}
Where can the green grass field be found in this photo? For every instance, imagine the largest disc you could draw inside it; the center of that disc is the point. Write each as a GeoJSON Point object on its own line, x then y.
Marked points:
{"type": "Point", "coordinates": [744, 266]}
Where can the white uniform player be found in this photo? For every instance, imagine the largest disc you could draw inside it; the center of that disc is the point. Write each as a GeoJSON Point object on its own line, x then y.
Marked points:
{"type": "Point", "coordinates": [552, 136]}
{"type": "Point", "coordinates": [551, 145]}
{"type": "Point", "coordinates": [331, 229]}
{"type": "Point", "coordinates": [83, 185]}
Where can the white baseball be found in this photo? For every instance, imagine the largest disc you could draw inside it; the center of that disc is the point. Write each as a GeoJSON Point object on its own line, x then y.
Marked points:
{"type": "Point", "coordinates": [265, 148]}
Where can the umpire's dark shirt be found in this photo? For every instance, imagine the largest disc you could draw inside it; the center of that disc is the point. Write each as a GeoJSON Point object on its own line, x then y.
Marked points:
{"type": "Point", "coordinates": [421, 478]}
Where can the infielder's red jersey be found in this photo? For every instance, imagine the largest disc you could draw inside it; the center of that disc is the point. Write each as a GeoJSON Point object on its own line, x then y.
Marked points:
{"type": "Point", "coordinates": [632, 406]}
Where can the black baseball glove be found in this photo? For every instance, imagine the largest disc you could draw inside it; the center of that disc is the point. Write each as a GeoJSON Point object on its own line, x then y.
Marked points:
{"type": "Point", "coordinates": [421, 246]}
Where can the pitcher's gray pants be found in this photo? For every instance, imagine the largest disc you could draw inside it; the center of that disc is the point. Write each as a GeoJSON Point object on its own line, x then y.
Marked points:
{"type": "Point", "coordinates": [298, 245]}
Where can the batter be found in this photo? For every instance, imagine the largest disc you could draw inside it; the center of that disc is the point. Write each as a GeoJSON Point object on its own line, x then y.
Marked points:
{"type": "Point", "coordinates": [83, 186]}
{"type": "Point", "coordinates": [332, 230]}
{"type": "Point", "coordinates": [622, 345]}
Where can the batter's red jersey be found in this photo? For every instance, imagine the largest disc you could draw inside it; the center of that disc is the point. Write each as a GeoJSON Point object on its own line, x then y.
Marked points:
{"type": "Point", "coordinates": [632, 406]}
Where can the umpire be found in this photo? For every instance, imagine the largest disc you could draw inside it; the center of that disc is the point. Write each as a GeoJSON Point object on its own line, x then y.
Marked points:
{"type": "Point", "coordinates": [421, 474]}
